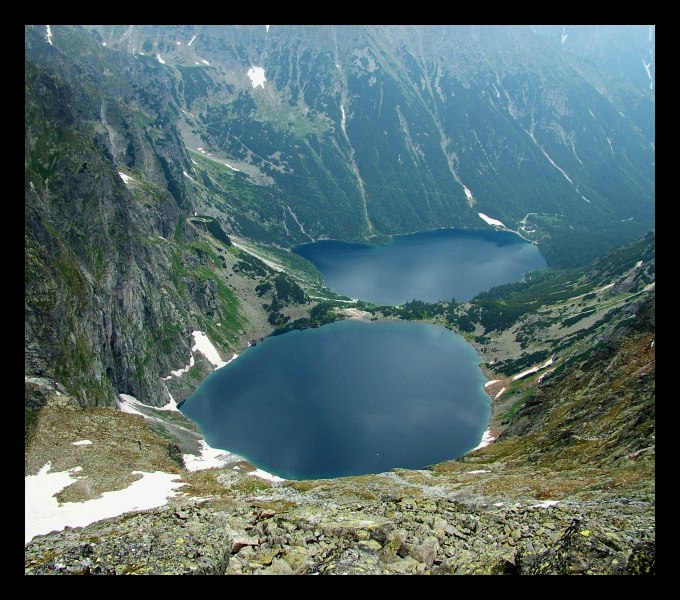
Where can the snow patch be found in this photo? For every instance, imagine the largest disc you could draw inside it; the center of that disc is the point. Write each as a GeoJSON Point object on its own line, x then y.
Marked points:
{"type": "Point", "coordinates": [546, 504]}
{"type": "Point", "coordinates": [586, 199]}
{"type": "Point", "coordinates": [264, 475]}
{"type": "Point", "coordinates": [469, 195]}
{"type": "Point", "coordinates": [554, 164]}
{"type": "Point", "coordinates": [487, 438]}
{"type": "Point", "coordinates": [209, 458]}
{"type": "Point", "coordinates": [269, 263]}
{"type": "Point", "coordinates": [498, 394]}
{"type": "Point", "coordinates": [178, 43]}
{"type": "Point", "coordinates": [191, 41]}
{"type": "Point", "coordinates": [126, 404]}
{"type": "Point", "coordinates": [488, 219]}
{"type": "Point", "coordinates": [232, 168]}
{"type": "Point", "coordinates": [256, 75]}
{"type": "Point", "coordinates": [205, 62]}
{"type": "Point", "coordinates": [126, 178]}
{"type": "Point", "coordinates": [43, 513]}
{"type": "Point", "coordinates": [170, 406]}
{"type": "Point", "coordinates": [547, 363]}
{"type": "Point", "coordinates": [488, 383]}
{"type": "Point", "coordinates": [649, 74]}
{"type": "Point", "coordinates": [48, 36]}
{"type": "Point", "coordinates": [203, 345]}
{"type": "Point", "coordinates": [188, 176]}
{"type": "Point", "coordinates": [545, 374]}
{"type": "Point", "coordinates": [267, 28]}
{"type": "Point", "coordinates": [160, 59]}
{"type": "Point", "coordinates": [591, 114]}
{"type": "Point", "coordinates": [638, 264]}
{"type": "Point", "coordinates": [478, 472]}
{"type": "Point", "coordinates": [104, 44]}
{"type": "Point", "coordinates": [81, 443]}
{"type": "Point", "coordinates": [183, 370]}
{"type": "Point", "coordinates": [343, 119]}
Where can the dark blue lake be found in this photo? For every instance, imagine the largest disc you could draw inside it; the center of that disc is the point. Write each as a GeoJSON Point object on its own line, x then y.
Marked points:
{"type": "Point", "coordinates": [430, 266]}
{"type": "Point", "coordinates": [346, 399]}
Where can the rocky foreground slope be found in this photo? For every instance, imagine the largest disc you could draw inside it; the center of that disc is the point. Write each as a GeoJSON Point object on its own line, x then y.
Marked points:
{"type": "Point", "coordinates": [568, 488]}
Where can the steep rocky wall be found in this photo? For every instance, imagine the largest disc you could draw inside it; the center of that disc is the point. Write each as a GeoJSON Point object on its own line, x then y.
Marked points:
{"type": "Point", "coordinates": [96, 279]}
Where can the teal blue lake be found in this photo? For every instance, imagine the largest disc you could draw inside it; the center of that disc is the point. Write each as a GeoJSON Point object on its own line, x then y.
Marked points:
{"type": "Point", "coordinates": [348, 398]}
{"type": "Point", "coordinates": [429, 266]}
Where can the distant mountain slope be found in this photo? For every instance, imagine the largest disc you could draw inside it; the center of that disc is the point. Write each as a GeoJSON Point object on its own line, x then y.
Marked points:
{"type": "Point", "coordinates": [360, 131]}
{"type": "Point", "coordinates": [624, 51]}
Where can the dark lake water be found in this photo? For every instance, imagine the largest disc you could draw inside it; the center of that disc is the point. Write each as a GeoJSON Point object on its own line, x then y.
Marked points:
{"type": "Point", "coordinates": [430, 266]}
{"type": "Point", "coordinates": [346, 399]}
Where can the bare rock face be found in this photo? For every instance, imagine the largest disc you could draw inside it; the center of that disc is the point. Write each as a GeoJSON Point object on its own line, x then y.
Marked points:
{"type": "Point", "coordinates": [97, 293]}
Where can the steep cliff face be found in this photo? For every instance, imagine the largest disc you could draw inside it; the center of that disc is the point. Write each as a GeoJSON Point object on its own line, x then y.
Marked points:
{"type": "Point", "coordinates": [116, 277]}
{"type": "Point", "coordinates": [94, 267]}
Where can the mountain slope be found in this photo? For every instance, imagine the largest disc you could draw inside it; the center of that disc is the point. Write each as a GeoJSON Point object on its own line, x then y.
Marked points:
{"type": "Point", "coordinates": [625, 51]}
{"type": "Point", "coordinates": [354, 132]}
{"type": "Point", "coordinates": [361, 131]}
{"type": "Point", "coordinates": [118, 273]}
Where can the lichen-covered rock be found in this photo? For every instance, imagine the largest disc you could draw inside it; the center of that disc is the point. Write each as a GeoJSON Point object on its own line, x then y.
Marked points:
{"type": "Point", "coordinates": [146, 543]}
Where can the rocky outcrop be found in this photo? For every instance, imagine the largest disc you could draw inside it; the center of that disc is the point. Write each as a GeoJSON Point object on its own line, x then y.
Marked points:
{"type": "Point", "coordinates": [186, 540]}
{"type": "Point", "coordinates": [96, 279]}
{"type": "Point", "coordinates": [106, 309]}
